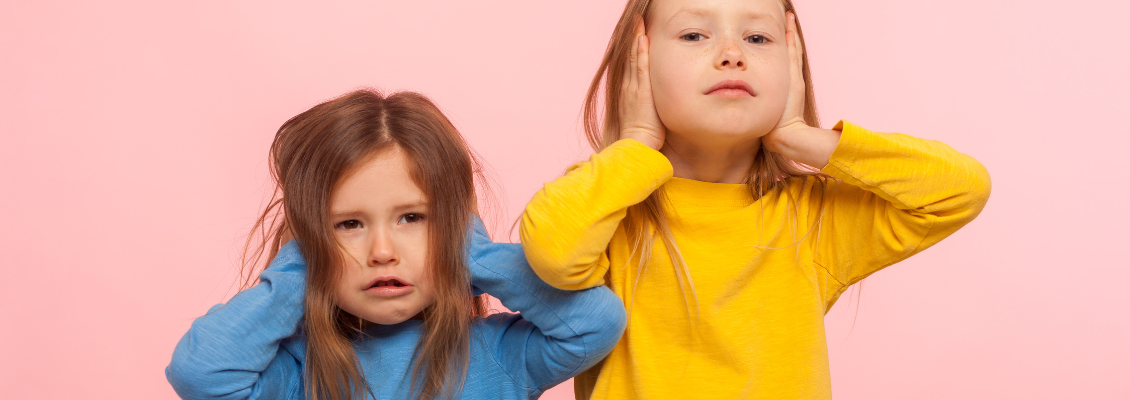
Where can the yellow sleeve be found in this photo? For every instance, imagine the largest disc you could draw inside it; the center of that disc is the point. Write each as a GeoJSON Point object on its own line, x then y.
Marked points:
{"type": "Point", "coordinates": [899, 195]}
{"type": "Point", "coordinates": [568, 224]}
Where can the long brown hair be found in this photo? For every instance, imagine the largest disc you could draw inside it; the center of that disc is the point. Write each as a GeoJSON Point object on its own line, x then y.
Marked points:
{"type": "Point", "coordinates": [601, 116]}
{"type": "Point", "coordinates": [310, 154]}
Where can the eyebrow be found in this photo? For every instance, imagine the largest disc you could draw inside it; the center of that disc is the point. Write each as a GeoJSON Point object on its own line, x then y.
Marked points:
{"type": "Point", "coordinates": [704, 13]}
{"type": "Point", "coordinates": [693, 11]}
{"type": "Point", "coordinates": [399, 208]}
{"type": "Point", "coordinates": [409, 206]}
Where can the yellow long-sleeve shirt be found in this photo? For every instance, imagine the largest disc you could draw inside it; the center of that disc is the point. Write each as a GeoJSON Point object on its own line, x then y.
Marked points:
{"type": "Point", "coordinates": [761, 300]}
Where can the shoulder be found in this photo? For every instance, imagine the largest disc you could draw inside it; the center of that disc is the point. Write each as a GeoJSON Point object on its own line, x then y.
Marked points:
{"type": "Point", "coordinates": [295, 346]}
{"type": "Point", "coordinates": [808, 185]}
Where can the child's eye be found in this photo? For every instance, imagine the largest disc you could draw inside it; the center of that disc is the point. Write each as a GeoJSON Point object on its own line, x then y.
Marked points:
{"type": "Point", "coordinates": [411, 218]}
{"type": "Point", "coordinates": [348, 225]}
{"type": "Point", "coordinates": [756, 39]}
{"type": "Point", "coordinates": [692, 37]}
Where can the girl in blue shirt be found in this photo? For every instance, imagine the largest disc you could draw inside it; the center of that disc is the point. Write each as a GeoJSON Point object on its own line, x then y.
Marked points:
{"type": "Point", "coordinates": [378, 295]}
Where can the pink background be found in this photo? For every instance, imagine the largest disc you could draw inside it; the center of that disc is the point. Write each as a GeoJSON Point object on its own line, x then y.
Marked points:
{"type": "Point", "coordinates": [134, 135]}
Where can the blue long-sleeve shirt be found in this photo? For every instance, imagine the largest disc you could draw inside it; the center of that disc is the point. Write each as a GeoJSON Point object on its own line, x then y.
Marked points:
{"type": "Point", "coordinates": [253, 348]}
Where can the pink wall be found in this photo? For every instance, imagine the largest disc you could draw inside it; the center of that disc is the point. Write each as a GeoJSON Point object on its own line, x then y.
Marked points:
{"type": "Point", "coordinates": [133, 159]}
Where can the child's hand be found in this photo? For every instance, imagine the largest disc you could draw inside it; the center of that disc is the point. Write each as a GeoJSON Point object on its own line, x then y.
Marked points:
{"type": "Point", "coordinates": [793, 118]}
{"type": "Point", "coordinates": [638, 118]}
{"type": "Point", "coordinates": [792, 137]}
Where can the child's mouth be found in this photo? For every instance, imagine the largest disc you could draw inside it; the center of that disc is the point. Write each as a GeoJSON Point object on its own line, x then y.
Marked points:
{"type": "Point", "coordinates": [731, 88]}
{"type": "Point", "coordinates": [389, 287]}
{"type": "Point", "coordinates": [390, 282]}
{"type": "Point", "coordinates": [728, 92]}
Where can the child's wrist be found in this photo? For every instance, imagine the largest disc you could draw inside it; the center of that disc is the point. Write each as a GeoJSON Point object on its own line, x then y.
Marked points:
{"type": "Point", "coordinates": [805, 144]}
{"type": "Point", "coordinates": [648, 140]}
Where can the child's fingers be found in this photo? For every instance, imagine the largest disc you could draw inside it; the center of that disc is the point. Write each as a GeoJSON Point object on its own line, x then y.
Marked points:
{"type": "Point", "coordinates": [628, 79]}
{"type": "Point", "coordinates": [795, 44]}
{"type": "Point", "coordinates": [638, 119]}
{"type": "Point", "coordinates": [796, 51]}
{"type": "Point", "coordinates": [633, 57]}
{"type": "Point", "coordinates": [644, 65]}
{"type": "Point", "coordinates": [790, 36]}
{"type": "Point", "coordinates": [628, 75]}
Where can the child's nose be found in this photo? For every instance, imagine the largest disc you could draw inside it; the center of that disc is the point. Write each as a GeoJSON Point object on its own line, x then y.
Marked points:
{"type": "Point", "coordinates": [731, 56]}
{"type": "Point", "coordinates": [382, 251]}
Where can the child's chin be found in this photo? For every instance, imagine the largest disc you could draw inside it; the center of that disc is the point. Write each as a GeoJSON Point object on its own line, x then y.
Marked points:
{"type": "Point", "coordinates": [392, 318]}
{"type": "Point", "coordinates": [741, 132]}
{"type": "Point", "coordinates": [388, 320]}
{"type": "Point", "coordinates": [737, 131]}
{"type": "Point", "coordinates": [740, 124]}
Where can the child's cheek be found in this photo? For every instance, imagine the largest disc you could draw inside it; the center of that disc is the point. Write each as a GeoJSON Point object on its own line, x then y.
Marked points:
{"type": "Point", "coordinates": [777, 74]}
{"type": "Point", "coordinates": [772, 86]}
{"type": "Point", "coordinates": [674, 90]}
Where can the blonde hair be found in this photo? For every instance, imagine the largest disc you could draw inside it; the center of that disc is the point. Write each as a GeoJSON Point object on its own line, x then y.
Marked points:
{"type": "Point", "coordinates": [602, 121]}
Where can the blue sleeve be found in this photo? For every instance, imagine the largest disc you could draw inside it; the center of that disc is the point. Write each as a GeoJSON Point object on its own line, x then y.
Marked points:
{"type": "Point", "coordinates": [559, 334]}
{"type": "Point", "coordinates": [233, 352]}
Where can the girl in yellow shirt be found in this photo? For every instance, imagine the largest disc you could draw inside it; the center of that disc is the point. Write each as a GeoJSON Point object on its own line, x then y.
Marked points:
{"type": "Point", "coordinates": [721, 214]}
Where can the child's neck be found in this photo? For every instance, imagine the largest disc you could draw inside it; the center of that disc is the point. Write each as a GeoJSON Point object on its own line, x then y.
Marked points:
{"type": "Point", "coordinates": [716, 161]}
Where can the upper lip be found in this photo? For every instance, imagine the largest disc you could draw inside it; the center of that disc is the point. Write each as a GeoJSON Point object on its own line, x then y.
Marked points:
{"type": "Point", "coordinates": [731, 84]}
{"type": "Point", "coordinates": [374, 282]}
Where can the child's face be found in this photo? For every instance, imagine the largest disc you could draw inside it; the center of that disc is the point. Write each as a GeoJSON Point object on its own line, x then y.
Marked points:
{"type": "Point", "coordinates": [379, 217]}
{"type": "Point", "coordinates": [700, 45]}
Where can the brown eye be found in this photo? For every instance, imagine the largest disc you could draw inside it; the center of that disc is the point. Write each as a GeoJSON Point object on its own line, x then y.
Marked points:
{"type": "Point", "coordinates": [411, 218]}
{"type": "Point", "coordinates": [692, 37]}
{"type": "Point", "coordinates": [348, 225]}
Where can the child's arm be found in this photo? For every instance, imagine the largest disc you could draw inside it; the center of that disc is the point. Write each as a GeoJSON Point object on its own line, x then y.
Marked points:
{"type": "Point", "coordinates": [568, 224]}
{"type": "Point", "coordinates": [558, 333]}
{"type": "Point", "coordinates": [233, 351]}
{"type": "Point", "coordinates": [900, 196]}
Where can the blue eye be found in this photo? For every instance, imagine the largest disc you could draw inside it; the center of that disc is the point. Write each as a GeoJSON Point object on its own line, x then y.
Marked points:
{"type": "Point", "coordinates": [411, 218]}
{"type": "Point", "coordinates": [756, 39]}
{"type": "Point", "coordinates": [692, 37]}
{"type": "Point", "coordinates": [348, 225]}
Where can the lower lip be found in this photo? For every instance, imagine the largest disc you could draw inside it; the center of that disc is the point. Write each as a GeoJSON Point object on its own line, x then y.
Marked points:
{"type": "Point", "coordinates": [730, 93]}
{"type": "Point", "coordinates": [389, 291]}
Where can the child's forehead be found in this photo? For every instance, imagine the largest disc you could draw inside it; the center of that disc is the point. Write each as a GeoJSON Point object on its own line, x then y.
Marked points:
{"type": "Point", "coordinates": [664, 11]}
